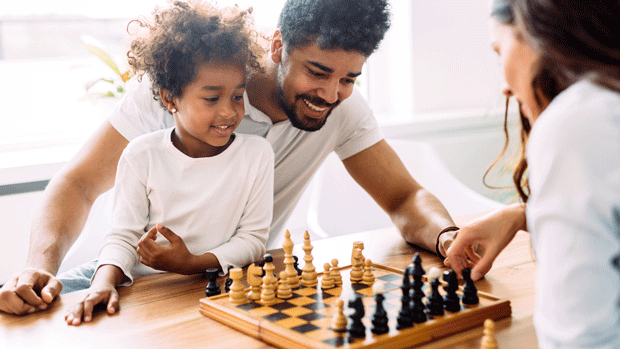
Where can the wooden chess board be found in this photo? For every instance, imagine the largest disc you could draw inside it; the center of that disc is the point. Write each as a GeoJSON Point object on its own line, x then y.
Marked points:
{"type": "Point", "coordinates": [304, 320]}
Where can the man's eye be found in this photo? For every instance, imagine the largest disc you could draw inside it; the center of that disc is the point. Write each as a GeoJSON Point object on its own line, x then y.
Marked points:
{"type": "Point", "coordinates": [238, 98]}
{"type": "Point", "coordinates": [317, 74]}
{"type": "Point", "coordinates": [212, 99]}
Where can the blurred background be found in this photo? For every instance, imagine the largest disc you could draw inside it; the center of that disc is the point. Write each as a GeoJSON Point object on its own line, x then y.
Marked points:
{"type": "Point", "coordinates": [434, 81]}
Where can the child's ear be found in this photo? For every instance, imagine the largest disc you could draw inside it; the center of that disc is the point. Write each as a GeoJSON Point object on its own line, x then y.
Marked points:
{"type": "Point", "coordinates": [276, 47]}
{"type": "Point", "coordinates": [168, 102]}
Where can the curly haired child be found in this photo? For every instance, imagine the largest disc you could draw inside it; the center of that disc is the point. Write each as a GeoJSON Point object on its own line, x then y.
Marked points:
{"type": "Point", "coordinates": [195, 196]}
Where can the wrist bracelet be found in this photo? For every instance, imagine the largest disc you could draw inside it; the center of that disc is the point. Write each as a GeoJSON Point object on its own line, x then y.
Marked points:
{"type": "Point", "coordinates": [445, 230]}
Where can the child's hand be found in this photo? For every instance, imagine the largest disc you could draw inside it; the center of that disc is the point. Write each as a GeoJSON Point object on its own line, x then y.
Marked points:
{"type": "Point", "coordinates": [96, 294]}
{"type": "Point", "coordinates": [174, 257]}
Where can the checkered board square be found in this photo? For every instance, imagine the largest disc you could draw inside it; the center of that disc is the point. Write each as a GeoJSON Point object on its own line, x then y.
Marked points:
{"type": "Point", "coordinates": [304, 320]}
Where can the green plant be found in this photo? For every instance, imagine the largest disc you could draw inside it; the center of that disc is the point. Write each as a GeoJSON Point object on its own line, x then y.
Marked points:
{"type": "Point", "coordinates": [118, 81]}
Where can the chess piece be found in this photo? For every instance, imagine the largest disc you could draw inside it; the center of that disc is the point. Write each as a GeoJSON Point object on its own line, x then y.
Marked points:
{"type": "Point", "coordinates": [213, 288]}
{"type": "Point", "coordinates": [308, 273]}
{"type": "Point", "coordinates": [379, 318]}
{"type": "Point", "coordinates": [434, 301]}
{"type": "Point", "coordinates": [488, 339]}
{"type": "Point", "coordinates": [404, 320]}
{"type": "Point", "coordinates": [267, 295]}
{"type": "Point", "coordinates": [335, 272]}
{"type": "Point", "coordinates": [289, 261]}
{"type": "Point", "coordinates": [357, 245]}
{"type": "Point", "coordinates": [254, 280]}
{"type": "Point", "coordinates": [327, 281]}
{"type": "Point", "coordinates": [284, 287]}
{"type": "Point", "coordinates": [356, 328]}
{"type": "Point", "coordinates": [417, 307]}
{"type": "Point", "coordinates": [339, 320]}
{"type": "Point", "coordinates": [451, 301]}
{"type": "Point", "coordinates": [470, 291]}
{"type": "Point", "coordinates": [228, 281]}
{"type": "Point", "coordinates": [357, 267]}
{"type": "Point", "coordinates": [236, 294]}
{"type": "Point", "coordinates": [368, 278]}
{"type": "Point", "coordinates": [296, 265]}
{"type": "Point", "coordinates": [417, 272]}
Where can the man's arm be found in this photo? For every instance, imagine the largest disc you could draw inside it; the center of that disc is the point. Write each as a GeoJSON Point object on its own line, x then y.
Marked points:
{"type": "Point", "coordinates": [60, 218]}
{"type": "Point", "coordinates": [418, 214]}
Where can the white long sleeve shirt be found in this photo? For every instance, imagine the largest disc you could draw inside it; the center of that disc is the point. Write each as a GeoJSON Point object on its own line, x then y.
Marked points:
{"type": "Point", "coordinates": [221, 204]}
{"type": "Point", "coordinates": [573, 215]}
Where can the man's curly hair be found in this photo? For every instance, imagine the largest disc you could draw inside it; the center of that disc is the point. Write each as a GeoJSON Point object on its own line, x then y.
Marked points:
{"type": "Point", "coordinates": [350, 25]}
{"type": "Point", "coordinates": [187, 34]}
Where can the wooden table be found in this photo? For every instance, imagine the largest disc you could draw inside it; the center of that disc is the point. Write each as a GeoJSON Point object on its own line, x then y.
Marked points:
{"type": "Point", "coordinates": [161, 310]}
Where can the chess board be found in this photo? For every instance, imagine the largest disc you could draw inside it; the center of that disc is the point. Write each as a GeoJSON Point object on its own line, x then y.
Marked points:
{"type": "Point", "coordinates": [304, 320]}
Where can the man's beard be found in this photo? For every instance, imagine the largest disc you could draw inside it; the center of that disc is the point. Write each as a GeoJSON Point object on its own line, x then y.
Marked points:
{"type": "Point", "coordinates": [299, 121]}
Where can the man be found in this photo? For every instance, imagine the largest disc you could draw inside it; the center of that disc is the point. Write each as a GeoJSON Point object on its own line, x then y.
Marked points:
{"type": "Point", "coordinates": [304, 104]}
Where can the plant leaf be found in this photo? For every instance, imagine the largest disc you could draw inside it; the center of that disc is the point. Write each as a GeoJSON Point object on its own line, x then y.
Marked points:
{"type": "Point", "coordinates": [95, 48]}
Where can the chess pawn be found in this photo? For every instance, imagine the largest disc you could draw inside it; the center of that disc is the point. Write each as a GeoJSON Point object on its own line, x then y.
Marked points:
{"type": "Point", "coordinates": [379, 318]}
{"type": "Point", "coordinates": [326, 280]}
{"type": "Point", "coordinates": [470, 291]}
{"type": "Point", "coordinates": [284, 288]}
{"type": "Point", "coordinates": [236, 294]}
{"type": "Point", "coordinates": [308, 273]}
{"type": "Point", "coordinates": [488, 340]}
{"type": "Point", "coordinates": [357, 267]}
{"type": "Point", "coordinates": [268, 294]}
{"type": "Point", "coordinates": [451, 301]}
{"type": "Point", "coordinates": [339, 320]}
{"type": "Point", "coordinates": [368, 278]}
{"type": "Point", "coordinates": [335, 273]}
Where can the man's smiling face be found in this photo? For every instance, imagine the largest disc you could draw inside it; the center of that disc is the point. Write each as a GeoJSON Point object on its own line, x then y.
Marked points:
{"type": "Point", "coordinates": [312, 82]}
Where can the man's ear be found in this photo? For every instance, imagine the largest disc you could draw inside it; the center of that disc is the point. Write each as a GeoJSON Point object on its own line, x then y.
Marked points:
{"type": "Point", "coordinates": [168, 102]}
{"type": "Point", "coordinates": [276, 47]}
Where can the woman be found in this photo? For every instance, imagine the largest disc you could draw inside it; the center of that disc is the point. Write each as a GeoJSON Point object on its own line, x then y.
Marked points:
{"type": "Point", "coordinates": [561, 61]}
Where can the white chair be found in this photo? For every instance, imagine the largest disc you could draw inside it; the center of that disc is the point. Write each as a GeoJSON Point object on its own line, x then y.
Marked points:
{"type": "Point", "coordinates": [338, 205]}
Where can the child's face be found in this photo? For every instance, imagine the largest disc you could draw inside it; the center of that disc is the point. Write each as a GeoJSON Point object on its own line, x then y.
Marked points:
{"type": "Point", "coordinates": [210, 108]}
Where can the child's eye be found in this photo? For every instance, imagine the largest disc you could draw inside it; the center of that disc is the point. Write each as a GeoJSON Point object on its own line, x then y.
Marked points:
{"type": "Point", "coordinates": [238, 98]}
{"type": "Point", "coordinates": [212, 99]}
{"type": "Point", "coordinates": [349, 81]}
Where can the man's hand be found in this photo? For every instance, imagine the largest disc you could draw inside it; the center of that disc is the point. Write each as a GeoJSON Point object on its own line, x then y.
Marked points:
{"type": "Point", "coordinates": [174, 257]}
{"type": "Point", "coordinates": [96, 294]}
{"type": "Point", "coordinates": [31, 290]}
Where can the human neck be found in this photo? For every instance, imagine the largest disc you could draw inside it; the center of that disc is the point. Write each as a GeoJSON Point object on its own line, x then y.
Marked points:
{"type": "Point", "coordinates": [262, 90]}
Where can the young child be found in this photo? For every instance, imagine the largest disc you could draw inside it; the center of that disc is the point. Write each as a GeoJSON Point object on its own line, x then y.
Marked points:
{"type": "Point", "coordinates": [561, 61]}
{"type": "Point", "coordinates": [195, 196]}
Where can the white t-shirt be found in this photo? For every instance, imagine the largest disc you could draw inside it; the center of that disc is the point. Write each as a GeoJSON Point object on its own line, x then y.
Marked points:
{"type": "Point", "coordinates": [350, 128]}
{"type": "Point", "coordinates": [221, 204]}
{"type": "Point", "coordinates": [573, 214]}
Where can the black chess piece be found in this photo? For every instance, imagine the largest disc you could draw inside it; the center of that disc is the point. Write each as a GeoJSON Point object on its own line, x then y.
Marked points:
{"type": "Point", "coordinates": [356, 328]}
{"type": "Point", "coordinates": [379, 318]}
{"type": "Point", "coordinates": [417, 272]}
{"type": "Point", "coordinates": [451, 301]}
{"type": "Point", "coordinates": [228, 281]}
{"type": "Point", "coordinates": [404, 320]}
{"type": "Point", "coordinates": [261, 264]}
{"type": "Point", "coordinates": [213, 288]}
{"type": "Point", "coordinates": [470, 291]}
{"type": "Point", "coordinates": [296, 265]}
{"type": "Point", "coordinates": [434, 301]}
